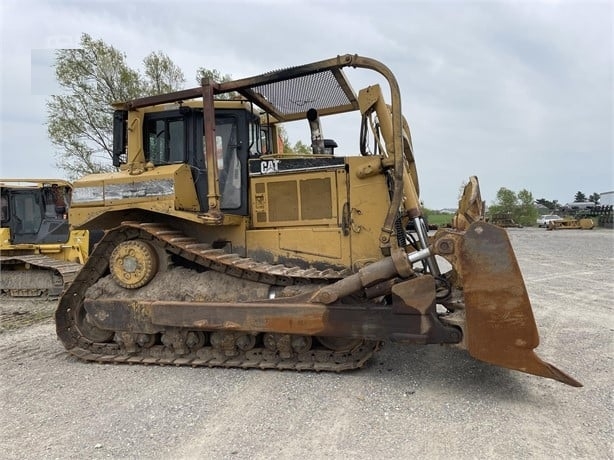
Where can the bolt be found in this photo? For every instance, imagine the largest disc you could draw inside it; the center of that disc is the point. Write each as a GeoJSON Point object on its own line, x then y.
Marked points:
{"type": "Point", "coordinates": [445, 246]}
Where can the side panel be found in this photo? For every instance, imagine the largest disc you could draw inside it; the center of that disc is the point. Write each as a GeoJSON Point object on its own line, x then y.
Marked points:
{"type": "Point", "coordinates": [75, 249]}
{"type": "Point", "coordinates": [296, 217]}
{"type": "Point", "coordinates": [314, 210]}
{"type": "Point", "coordinates": [368, 204]}
{"type": "Point", "coordinates": [305, 199]}
{"type": "Point", "coordinates": [324, 242]}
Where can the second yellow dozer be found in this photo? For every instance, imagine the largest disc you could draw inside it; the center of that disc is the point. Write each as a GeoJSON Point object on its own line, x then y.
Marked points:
{"type": "Point", "coordinates": [571, 224]}
{"type": "Point", "coordinates": [222, 250]}
{"type": "Point", "coordinates": [39, 252]}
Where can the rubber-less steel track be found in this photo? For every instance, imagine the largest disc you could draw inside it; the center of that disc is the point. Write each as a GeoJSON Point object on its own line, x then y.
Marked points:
{"type": "Point", "coordinates": [70, 309]}
{"type": "Point", "coordinates": [62, 273]}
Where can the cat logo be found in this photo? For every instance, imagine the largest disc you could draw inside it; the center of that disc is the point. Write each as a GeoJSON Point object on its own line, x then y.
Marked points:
{"type": "Point", "coordinates": [269, 166]}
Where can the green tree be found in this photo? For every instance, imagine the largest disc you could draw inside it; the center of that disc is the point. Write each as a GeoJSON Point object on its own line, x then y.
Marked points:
{"type": "Point", "coordinates": [579, 197]}
{"type": "Point", "coordinates": [215, 75]}
{"type": "Point", "coordinates": [507, 198]}
{"type": "Point", "coordinates": [505, 203]}
{"type": "Point", "coordinates": [300, 147]}
{"type": "Point", "coordinates": [594, 198]}
{"type": "Point", "coordinates": [519, 206]}
{"type": "Point", "coordinates": [551, 205]}
{"type": "Point", "coordinates": [161, 73]}
{"type": "Point", "coordinates": [525, 212]}
{"type": "Point", "coordinates": [285, 139]}
{"type": "Point", "coordinates": [92, 77]}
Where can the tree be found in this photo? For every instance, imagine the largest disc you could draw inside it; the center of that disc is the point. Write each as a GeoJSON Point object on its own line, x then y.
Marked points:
{"type": "Point", "coordinates": [300, 147]}
{"type": "Point", "coordinates": [519, 206]}
{"type": "Point", "coordinates": [215, 75]}
{"type": "Point", "coordinates": [285, 139]}
{"type": "Point", "coordinates": [579, 197]}
{"type": "Point", "coordinates": [162, 75]}
{"type": "Point", "coordinates": [92, 77]}
{"type": "Point", "coordinates": [551, 205]}
{"type": "Point", "coordinates": [594, 198]}
{"type": "Point", "coordinates": [506, 201]}
{"type": "Point", "coordinates": [525, 212]}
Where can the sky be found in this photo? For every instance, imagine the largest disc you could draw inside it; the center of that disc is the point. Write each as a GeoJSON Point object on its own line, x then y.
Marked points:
{"type": "Point", "coordinates": [518, 93]}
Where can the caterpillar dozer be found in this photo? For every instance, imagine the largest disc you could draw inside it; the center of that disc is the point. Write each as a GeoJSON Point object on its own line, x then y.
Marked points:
{"type": "Point", "coordinates": [571, 224]}
{"type": "Point", "coordinates": [39, 253]}
{"type": "Point", "coordinates": [223, 250]}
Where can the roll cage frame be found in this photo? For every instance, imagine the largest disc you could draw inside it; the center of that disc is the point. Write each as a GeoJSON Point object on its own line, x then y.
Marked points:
{"type": "Point", "coordinates": [287, 94]}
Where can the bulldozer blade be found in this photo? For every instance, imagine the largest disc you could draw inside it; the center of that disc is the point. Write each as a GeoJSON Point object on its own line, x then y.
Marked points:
{"type": "Point", "coordinates": [500, 326]}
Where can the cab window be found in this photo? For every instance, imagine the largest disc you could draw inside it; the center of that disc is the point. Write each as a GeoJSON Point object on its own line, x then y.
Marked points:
{"type": "Point", "coordinates": [257, 140]}
{"type": "Point", "coordinates": [228, 162]}
{"type": "Point", "coordinates": [165, 141]}
{"type": "Point", "coordinates": [5, 208]}
{"type": "Point", "coordinates": [27, 212]}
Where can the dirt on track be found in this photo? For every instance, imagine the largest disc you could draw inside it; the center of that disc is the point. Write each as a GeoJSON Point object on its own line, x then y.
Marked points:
{"type": "Point", "coordinates": [410, 401]}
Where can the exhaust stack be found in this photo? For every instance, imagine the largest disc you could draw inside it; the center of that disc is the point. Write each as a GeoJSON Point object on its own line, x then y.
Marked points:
{"type": "Point", "coordinates": [317, 140]}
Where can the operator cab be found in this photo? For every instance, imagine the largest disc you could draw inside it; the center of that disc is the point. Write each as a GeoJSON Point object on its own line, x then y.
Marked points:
{"type": "Point", "coordinates": [36, 215]}
{"type": "Point", "coordinates": [176, 136]}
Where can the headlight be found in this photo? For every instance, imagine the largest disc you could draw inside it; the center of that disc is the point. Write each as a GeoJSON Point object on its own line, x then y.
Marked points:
{"type": "Point", "coordinates": [88, 194]}
{"type": "Point", "coordinates": [113, 192]}
{"type": "Point", "coordinates": [151, 188]}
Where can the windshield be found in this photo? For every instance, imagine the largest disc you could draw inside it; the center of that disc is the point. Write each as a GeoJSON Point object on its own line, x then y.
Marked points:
{"type": "Point", "coordinates": [27, 209]}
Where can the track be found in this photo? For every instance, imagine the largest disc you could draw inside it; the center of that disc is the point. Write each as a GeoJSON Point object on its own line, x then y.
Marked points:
{"type": "Point", "coordinates": [198, 348]}
{"type": "Point", "coordinates": [48, 276]}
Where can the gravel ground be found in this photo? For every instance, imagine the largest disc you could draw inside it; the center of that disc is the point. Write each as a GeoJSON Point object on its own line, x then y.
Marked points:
{"type": "Point", "coordinates": [410, 401]}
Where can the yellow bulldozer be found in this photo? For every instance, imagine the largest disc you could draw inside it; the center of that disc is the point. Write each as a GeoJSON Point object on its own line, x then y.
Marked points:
{"type": "Point", "coordinates": [223, 250]}
{"type": "Point", "coordinates": [39, 253]}
{"type": "Point", "coordinates": [571, 223]}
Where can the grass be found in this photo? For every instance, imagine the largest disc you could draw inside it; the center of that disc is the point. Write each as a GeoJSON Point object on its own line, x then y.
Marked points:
{"type": "Point", "coordinates": [439, 218]}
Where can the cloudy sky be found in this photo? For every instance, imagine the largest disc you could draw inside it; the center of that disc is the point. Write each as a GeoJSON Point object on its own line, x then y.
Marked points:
{"type": "Point", "coordinates": [519, 93]}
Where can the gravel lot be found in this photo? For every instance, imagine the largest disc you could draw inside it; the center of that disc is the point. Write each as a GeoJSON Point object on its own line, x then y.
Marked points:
{"type": "Point", "coordinates": [410, 401]}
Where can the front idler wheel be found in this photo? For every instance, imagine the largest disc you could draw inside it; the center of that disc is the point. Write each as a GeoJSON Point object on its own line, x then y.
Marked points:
{"type": "Point", "coordinates": [88, 330]}
{"type": "Point", "coordinates": [133, 264]}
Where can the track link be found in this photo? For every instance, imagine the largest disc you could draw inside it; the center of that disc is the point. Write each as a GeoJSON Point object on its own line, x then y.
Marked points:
{"type": "Point", "coordinates": [63, 273]}
{"type": "Point", "coordinates": [70, 308]}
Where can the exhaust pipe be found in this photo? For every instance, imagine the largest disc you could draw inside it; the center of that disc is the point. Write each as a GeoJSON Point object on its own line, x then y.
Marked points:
{"type": "Point", "coordinates": [317, 140]}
